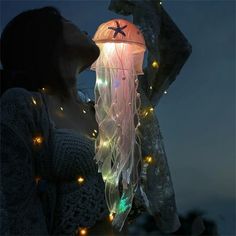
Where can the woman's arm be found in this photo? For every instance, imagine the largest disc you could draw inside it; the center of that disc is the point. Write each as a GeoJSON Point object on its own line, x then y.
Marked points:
{"type": "Point", "coordinates": [165, 43]}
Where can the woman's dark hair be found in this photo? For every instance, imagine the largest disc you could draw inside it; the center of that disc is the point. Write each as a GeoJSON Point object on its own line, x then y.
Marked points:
{"type": "Point", "coordinates": [30, 46]}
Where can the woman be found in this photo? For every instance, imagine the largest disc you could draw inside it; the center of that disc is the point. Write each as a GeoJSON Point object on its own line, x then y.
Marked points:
{"type": "Point", "coordinates": [49, 180]}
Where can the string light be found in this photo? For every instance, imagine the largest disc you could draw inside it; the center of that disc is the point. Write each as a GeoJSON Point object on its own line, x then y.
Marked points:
{"type": "Point", "coordinates": [111, 217]}
{"type": "Point", "coordinates": [83, 231]}
{"type": "Point", "coordinates": [147, 111]}
{"type": "Point", "coordinates": [34, 101]}
{"type": "Point", "coordinates": [148, 159]}
{"type": "Point", "coordinates": [123, 205]}
{"type": "Point", "coordinates": [150, 87]}
{"type": "Point", "coordinates": [155, 64]}
{"type": "Point", "coordinates": [95, 130]}
{"type": "Point", "coordinates": [37, 140]}
{"type": "Point", "coordinates": [101, 82]}
{"type": "Point", "coordinates": [105, 143]}
{"type": "Point", "coordinates": [61, 108]}
{"type": "Point", "coordinates": [165, 92]}
{"type": "Point", "coordinates": [93, 134]}
{"type": "Point", "coordinates": [44, 89]}
{"type": "Point", "coordinates": [84, 111]}
{"type": "Point", "coordinates": [160, 3]}
{"type": "Point", "coordinates": [80, 180]}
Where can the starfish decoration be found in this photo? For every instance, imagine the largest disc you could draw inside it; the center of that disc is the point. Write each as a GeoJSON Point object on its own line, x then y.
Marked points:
{"type": "Point", "coordinates": [118, 29]}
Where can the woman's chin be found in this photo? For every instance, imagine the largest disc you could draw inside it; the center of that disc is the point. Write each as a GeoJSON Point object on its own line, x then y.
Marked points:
{"type": "Point", "coordinates": [91, 56]}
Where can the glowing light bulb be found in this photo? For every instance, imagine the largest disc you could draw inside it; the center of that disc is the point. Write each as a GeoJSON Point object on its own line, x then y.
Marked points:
{"type": "Point", "coordinates": [37, 140]}
{"type": "Point", "coordinates": [148, 159]}
{"type": "Point", "coordinates": [150, 87]}
{"type": "Point", "coordinates": [61, 108]}
{"type": "Point", "coordinates": [80, 180]}
{"type": "Point", "coordinates": [84, 111]}
{"type": "Point", "coordinates": [151, 109]}
{"type": "Point", "coordinates": [146, 113]}
{"type": "Point", "coordinates": [93, 134]}
{"type": "Point", "coordinates": [105, 143]}
{"type": "Point", "coordinates": [44, 89]}
{"type": "Point", "coordinates": [95, 130]}
{"type": "Point", "coordinates": [155, 64]}
{"type": "Point", "coordinates": [101, 82]}
{"type": "Point", "coordinates": [122, 207]}
{"type": "Point", "coordinates": [83, 231]}
{"type": "Point", "coordinates": [165, 92]}
{"type": "Point", "coordinates": [111, 217]}
{"type": "Point", "coordinates": [34, 101]}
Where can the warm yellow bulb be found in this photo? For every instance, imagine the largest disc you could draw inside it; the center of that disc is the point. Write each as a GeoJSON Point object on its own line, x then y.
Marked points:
{"type": "Point", "coordinates": [148, 159]}
{"type": "Point", "coordinates": [61, 108]}
{"type": "Point", "coordinates": [34, 101]}
{"type": "Point", "coordinates": [93, 134]}
{"type": "Point", "coordinates": [105, 143]}
{"type": "Point", "coordinates": [111, 217]}
{"type": "Point", "coordinates": [84, 111]}
{"type": "Point", "coordinates": [150, 87]}
{"type": "Point", "coordinates": [83, 231]}
{"type": "Point", "coordinates": [80, 180]}
{"type": "Point", "coordinates": [155, 64]}
{"type": "Point", "coordinates": [95, 131]}
{"type": "Point", "coordinates": [151, 109]}
{"type": "Point", "coordinates": [37, 140]}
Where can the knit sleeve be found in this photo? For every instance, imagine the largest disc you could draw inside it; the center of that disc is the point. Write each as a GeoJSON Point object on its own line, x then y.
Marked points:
{"type": "Point", "coordinates": [22, 139]}
{"type": "Point", "coordinates": [156, 185]}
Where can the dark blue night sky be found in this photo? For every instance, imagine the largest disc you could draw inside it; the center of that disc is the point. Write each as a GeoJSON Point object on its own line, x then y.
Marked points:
{"type": "Point", "coordinates": [197, 115]}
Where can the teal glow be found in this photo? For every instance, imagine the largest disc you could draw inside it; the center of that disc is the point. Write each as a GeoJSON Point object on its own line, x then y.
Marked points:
{"type": "Point", "coordinates": [123, 205]}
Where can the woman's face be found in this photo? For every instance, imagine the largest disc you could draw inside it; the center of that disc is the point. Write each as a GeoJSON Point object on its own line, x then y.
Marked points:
{"type": "Point", "coordinates": [79, 47]}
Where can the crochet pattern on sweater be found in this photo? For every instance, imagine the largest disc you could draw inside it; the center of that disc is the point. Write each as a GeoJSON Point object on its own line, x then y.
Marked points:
{"type": "Point", "coordinates": [40, 165]}
{"type": "Point", "coordinates": [56, 204]}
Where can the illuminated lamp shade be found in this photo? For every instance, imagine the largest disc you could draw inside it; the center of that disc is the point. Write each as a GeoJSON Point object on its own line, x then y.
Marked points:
{"type": "Point", "coordinates": [122, 49]}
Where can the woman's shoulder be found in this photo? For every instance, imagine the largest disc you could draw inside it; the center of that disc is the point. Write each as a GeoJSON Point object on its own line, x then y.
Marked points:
{"type": "Point", "coordinates": [18, 93]}
{"type": "Point", "coordinates": [19, 100]}
{"type": "Point", "coordinates": [21, 109]}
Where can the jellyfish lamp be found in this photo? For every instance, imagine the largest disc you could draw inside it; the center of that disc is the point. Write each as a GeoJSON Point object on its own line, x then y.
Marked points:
{"type": "Point", "coordinates": [117, 104]}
